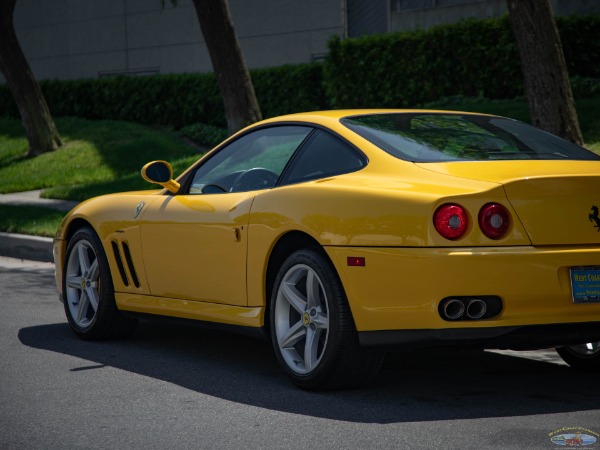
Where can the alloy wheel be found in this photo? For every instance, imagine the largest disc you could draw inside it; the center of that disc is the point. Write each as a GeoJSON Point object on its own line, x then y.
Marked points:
{"type": "Point", "coordinates": [301, 319]}
{"type": "Point", "coordinates": [82, 284]}
{"type": "Point", "coordinates": [586, 350]}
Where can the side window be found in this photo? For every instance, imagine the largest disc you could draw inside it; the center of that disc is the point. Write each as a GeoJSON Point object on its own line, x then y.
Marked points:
{"type": "Point", "coordinates": [254, 161]}
{"type": "Point", "coordinates": [323, 155]}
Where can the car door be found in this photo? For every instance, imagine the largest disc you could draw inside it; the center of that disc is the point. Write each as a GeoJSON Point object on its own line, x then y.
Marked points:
{"type": "Point", "coordinates": [195, 243]}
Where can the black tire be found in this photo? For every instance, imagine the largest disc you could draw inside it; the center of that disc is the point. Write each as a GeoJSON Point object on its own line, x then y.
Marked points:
{"type": "Point", "coordinates": [582, 357]}
{"type": "Point", "coordinates": [88, 293]}
{"type": "Point", "coordinates": [314, 336]}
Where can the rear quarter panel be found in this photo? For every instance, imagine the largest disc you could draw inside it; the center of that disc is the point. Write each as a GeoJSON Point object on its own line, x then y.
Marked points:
{"type": "Point", "coordinates": [365, 209]}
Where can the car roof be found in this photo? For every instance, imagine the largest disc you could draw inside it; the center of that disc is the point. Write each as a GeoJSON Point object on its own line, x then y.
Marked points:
{"type": "Point", "coordinates": [337, 114]}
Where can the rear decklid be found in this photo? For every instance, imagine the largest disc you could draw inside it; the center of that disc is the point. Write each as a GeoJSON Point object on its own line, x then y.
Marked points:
{"type": "Point", "coordinates": [557, 202]}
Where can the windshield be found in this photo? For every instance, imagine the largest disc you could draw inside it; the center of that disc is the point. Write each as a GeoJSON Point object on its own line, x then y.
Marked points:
{"type": "Point", "coordinates": [436, 137]}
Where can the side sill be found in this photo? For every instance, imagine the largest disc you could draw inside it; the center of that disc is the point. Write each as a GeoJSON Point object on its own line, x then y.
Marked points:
{"type": "Point", "coordinates": [253, 332]}
{"type": "Point", "coordinates": [187, 309]}
{"type": "Point", "coordinates": [527, 337]}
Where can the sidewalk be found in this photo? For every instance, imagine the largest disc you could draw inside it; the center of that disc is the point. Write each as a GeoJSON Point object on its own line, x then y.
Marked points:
{"type": "Point", "coordinates": [24, 246]}
{"type": "Point", "coordinates": [33, 198]}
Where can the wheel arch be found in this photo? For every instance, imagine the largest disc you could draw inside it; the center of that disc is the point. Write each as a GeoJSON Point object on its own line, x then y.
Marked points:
{"type": "Point", "coordinates": [75, 225]}
{"type": "Point", "coordinates": [338, 361]}
{"type": "Point", "coordinates": [104, 320]}
{"type": "Point", "coordinates": [71, 228]}
{"type": "Point", "coordinates": [285, 246]}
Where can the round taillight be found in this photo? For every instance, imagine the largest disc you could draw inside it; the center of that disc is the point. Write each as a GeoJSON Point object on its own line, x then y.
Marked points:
{"type": "Point", "coordinates": [494, 220]}
{"type": "Point", "coordinates": [450, 220]}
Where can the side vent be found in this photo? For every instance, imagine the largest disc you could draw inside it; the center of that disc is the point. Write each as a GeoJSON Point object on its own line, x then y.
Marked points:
{"type": "Point", "coordinates": [130, 265]}
{"type": "Point", "coordinates": [119, 261]}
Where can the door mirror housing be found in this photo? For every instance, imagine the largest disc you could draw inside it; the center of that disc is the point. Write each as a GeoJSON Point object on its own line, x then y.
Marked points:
{"type": "Point", "coordinates": [161, 172]}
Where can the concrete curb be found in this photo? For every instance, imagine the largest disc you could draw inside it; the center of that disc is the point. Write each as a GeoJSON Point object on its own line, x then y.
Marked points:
{"type": "Point", "coordinates": [23, 246]}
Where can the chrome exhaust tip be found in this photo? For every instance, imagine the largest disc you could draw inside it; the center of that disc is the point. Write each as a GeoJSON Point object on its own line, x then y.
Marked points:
{"type": "Point", "coordinates": [453, 309]}
{"type": "Point", "coordinates": [476, 308]}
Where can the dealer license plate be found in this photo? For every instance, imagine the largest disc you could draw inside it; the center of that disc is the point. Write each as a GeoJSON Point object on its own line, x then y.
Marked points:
{"type": "Point", "coordinates": [585, 284]}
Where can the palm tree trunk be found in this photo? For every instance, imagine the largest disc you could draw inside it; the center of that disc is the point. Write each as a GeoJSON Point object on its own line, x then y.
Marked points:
{"type": "Point", "coordinates": [233, 78]}
{"type": "Point", "coordinates": [547, 85]}
{"type": "Point", "coordinates": [38, 123]}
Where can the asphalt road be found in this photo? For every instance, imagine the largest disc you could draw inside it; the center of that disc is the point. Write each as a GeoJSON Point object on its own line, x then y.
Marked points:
{"type": "Point", "coordinates": [172, 386]}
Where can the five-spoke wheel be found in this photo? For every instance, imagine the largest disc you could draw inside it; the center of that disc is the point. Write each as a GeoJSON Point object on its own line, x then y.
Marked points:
{"type": "Point", "coordinates": [312, 330]}
{"type": "Point", "coordinates": [301, 319]}
{"type": "Point", "coordinates": [82, 283]}
{"type": "Point", "coordinates": [88, 290]}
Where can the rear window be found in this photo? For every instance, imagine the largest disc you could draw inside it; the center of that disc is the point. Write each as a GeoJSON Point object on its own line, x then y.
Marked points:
{"type": "Point", "coordinates": [436, 137]}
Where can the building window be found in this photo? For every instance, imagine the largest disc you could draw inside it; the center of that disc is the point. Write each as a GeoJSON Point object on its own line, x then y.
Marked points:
{"type": "Point", "coordinates": [405, 5]}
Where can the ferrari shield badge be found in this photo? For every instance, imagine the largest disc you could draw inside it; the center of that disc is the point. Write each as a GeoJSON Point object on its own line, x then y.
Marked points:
{"type": "Point", "coordinates": [138, 209]}
{"type": "Point", "coordinates": [594, 217]}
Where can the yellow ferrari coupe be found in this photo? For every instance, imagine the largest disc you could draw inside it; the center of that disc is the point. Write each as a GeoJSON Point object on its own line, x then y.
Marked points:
{"type": "Point", "coordinates": [341, 234]}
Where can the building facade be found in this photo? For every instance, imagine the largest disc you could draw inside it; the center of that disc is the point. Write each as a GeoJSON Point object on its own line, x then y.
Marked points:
{"type": "Point", "coordinates": [70, 39]}
{"type": "Point", "coordinates": [410, 14]}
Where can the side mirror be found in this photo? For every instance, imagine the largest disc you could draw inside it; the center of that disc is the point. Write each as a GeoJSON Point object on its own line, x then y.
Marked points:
{"type": "Point", "coordinates": [160, 172]}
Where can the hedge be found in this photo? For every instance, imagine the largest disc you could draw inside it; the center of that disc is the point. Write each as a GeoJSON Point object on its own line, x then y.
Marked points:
{"type": "Point", "coordinates": [291, 88]}
{"type": "Point", "coordinates": [173, 100]}
{"type": "Point", "coordinates": [176, 100]}
{"type": "Point", "coordinates": [473, 58]}
{"type": "Point", "coordinates": [470, 58]}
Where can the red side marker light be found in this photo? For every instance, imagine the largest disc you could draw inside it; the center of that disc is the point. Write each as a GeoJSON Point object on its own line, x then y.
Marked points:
{"type": "Point", "coordinates": [356, 261]}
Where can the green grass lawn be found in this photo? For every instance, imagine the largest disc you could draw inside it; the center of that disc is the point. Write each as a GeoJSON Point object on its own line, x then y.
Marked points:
{"type": "Point", "coordinates": [25, 219]}
{"type": "Point", "coordinates": [98, 157]}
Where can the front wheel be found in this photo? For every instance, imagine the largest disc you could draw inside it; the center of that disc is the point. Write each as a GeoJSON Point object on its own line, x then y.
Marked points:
{"type": "Point", "coordinates": [584, 356]}
{"type": "Point", "coordinates": [88, 292]}
{"type": "Point", "coordinates": [312, 329]}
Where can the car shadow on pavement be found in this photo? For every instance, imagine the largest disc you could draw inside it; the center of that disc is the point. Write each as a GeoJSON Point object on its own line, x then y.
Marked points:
{"type": "Point", "coordinates": [416, 386]}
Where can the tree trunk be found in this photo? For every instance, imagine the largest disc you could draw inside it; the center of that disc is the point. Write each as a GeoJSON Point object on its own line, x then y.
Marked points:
{"type": "Point", "coordinates": [233, 78]}
{"type": "Point", "coordinates": [41, 132]}
{"type": "Point", "coordinates": [547, 85]}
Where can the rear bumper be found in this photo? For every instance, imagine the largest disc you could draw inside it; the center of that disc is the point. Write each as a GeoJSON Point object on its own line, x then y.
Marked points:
{"type": "Point", "coordinates": [531, 337]}
{"type": "Point", "coordinates": [401, 288]}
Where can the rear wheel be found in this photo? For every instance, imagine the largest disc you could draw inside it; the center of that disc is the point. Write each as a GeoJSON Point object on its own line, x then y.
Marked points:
{"type": "Point", "coordinates": [584, 356]}
{"type": "Point", "coordinates": [312, 329]}
{"type": "Point", "coordinates": [88, 292]}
